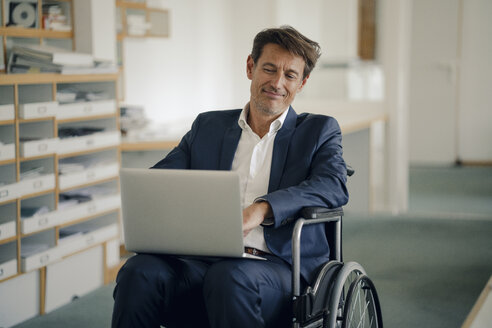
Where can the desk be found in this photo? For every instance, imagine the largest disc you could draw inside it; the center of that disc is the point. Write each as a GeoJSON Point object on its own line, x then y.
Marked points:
{"type": "Point", "coordinates": [128, 146]}
{"type": "Point", "coordinates": [361, 124]}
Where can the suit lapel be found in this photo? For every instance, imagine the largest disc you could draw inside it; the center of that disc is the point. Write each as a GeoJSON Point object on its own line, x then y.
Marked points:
{"type": "Point", "coordinates": [229, 146]}
{"type": "Point", "coordinates": [280, 149]}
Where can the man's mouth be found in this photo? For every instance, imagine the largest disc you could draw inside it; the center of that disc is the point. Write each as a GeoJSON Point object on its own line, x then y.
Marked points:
{"type": "Point", "coordinates": [273, 94]}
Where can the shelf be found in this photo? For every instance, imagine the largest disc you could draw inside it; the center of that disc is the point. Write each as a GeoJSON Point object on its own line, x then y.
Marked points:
{"type": "Point", "coordinates": [36, 194]}
{"type": "Point", "coordinates": [87, 118]}
{"type": "Point", "coordinates": [8, 161]}
{"type": "Point", "coordinates": [87, 218]}
{"type": "Point", "coordinates": [41, 78]}
{"type": "Point", "coordinates": [8, 240]}
{"type": "Point", "coordinates": [132, 5]}
{"type": "Point", "coordinates": [5, 202]}
{"type": "Point", "coordinates": [85, 152]}
{"type": "Point", "coordinates": [30, 110]}
{"type": "Point", "coordinates": [92, 183]}
{"type": "Point", "coordinates": [22, 32]}
{"type": "Point", "coordinates": [122, 36]}
{"type": "Point", "coordinates": [39, 119]}
{"type": "Point", "coordinates": [32, 158]}
{"type": "Point", "coordinates": [136, 20]}
{"type": "Point", "coordinates": [159, 26]}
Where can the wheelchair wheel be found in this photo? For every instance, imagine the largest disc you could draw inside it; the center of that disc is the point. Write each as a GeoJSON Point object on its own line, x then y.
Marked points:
{"type": "Point", "coordinates": [362, 307]}
{"type": "Point", "coordinates": [349, 281]}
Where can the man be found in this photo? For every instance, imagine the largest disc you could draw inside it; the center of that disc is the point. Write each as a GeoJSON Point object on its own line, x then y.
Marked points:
{"type": "Point", "coordinates": [285, 162]}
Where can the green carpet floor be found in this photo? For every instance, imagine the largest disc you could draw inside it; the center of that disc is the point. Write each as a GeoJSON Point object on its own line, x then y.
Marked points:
{"type": "Point", "coordinates": [451, 191]}
{"type": "Point", "coordinates": [429, 266]}
{"type": "Point", "coordinates": [428, 272]}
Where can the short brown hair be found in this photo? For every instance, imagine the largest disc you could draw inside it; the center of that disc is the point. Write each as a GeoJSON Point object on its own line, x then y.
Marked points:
{"type": "Point", "coordinates": [291, 40]}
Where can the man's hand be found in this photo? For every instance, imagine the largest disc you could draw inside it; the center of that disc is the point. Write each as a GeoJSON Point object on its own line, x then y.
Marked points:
{"type": "Point", "coordinates": [254, 214]}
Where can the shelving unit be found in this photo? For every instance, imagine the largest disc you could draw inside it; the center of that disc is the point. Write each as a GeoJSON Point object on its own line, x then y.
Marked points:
{"type": "Point", "coordinates": [59, 165]}
{"type": "Point", "coordinates": [36, 245]}
{"type": "Point", "coordinates": [132, 18]}
{"type": "Point", "coordinates": [13, 32]}
{"type": "Point", "coordinates": [130, 15]}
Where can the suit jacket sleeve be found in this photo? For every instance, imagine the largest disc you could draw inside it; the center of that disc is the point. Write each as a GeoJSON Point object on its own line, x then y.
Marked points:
{"type": "Point", "coordinates": [324, 185]}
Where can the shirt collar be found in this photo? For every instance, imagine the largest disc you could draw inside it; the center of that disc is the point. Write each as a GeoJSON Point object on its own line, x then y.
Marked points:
{"type": "Point", "coordinates": [274, 126]}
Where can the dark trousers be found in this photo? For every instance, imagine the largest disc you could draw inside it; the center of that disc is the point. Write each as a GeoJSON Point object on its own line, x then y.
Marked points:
{"type": "Point", "coordinates": [155, 290]}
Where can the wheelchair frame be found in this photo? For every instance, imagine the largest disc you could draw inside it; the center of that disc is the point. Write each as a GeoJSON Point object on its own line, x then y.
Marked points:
{"type": "Point", "coordinates": [328, 303]}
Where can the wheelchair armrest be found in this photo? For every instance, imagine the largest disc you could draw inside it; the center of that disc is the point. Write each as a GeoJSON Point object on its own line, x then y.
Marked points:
{"type": "Point", "coordinates": [310, 213]}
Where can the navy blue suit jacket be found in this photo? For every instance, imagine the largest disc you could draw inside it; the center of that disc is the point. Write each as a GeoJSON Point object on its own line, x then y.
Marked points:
{"type": "Point", "coordinates": [307, 170]}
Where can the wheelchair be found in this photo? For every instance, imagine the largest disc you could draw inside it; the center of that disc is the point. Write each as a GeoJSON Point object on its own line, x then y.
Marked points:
{"type": "Point", "coordinates": [342, 295]}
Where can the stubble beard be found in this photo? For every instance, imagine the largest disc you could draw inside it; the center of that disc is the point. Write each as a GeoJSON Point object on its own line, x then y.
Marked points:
{"type": "Point", "coordinates": [265, 109]}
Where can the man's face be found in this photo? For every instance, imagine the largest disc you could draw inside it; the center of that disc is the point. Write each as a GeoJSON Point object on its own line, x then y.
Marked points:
{"type": "Point", "coordinates": [276, 78]}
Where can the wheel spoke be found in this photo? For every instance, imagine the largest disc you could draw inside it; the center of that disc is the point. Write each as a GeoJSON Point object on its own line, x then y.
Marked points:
{"type": "Point", "coordinates": [361, 308]}
{"type": "Point", "coordinates": [358, 300]}
{"type": "Point", "coordinates": [353, 308]}
{"type": "Point", "coordinates": [362, 317]}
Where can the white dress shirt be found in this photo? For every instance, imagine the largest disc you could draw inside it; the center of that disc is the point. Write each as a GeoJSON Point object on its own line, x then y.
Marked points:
{"type": "Point", "coordinates": [252, 160]}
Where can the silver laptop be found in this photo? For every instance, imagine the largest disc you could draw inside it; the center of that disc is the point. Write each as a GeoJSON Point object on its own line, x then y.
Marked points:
{"type": "Point", "coordinates": [183, 212]}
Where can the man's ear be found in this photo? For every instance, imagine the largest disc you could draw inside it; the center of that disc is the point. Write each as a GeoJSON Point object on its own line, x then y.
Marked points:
{"type": "Point", "coordinates": [302, 84]}
{"type": "Point", "coordinates": [249, 67]}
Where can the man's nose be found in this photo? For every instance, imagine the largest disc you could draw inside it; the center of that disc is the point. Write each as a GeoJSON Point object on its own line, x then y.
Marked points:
{"type": "Point", "coordinates": [277, 81]}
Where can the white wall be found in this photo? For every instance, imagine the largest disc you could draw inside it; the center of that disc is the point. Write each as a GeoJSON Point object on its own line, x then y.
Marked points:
{"type": "Point", "coordinates": [247, 19]}
{"type": "Point", "coordinates": [94, 28]}
{"type": "Point", "coordinates": [433, 86]}
{"type": "Point", "coordinates": [202, 66]}
{"type": "Point", "coordinates": [475, 83]}
{"type": "Point", "coordinates": [178, 77]}
{"type": "Point", "coordinates": [451, 82]}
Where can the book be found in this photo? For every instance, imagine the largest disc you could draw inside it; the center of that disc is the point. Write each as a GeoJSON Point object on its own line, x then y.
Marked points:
{"type": "Point", "coordinates": [19, 61]}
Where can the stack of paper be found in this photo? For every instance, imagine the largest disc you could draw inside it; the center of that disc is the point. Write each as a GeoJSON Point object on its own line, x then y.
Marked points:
{"type": "Point", "coordinates": [70, 132]}
{"type": "Point", "coordinates": [31, 173]}
{"type": "Point", "coordinates": [132, 118]}
{"type": "Point", "coordinates": [41, 58]}
{"type": "Point", "coordinates": [73, 165]}
{"type": "Point", "coordinates": [66, 235]}
{"type": "Point", "coordinates": [72, 95]}
{"type": "Point", "coordinates": [71, 198]}
{"type": "Point", "coordinates": [29, 249]}
{"type": "Point", "coordinates": [137, 25]}
{"type": "Point", "coordinates": [28, 212]}
{"type": "Point", "coordinates": [66, 95]}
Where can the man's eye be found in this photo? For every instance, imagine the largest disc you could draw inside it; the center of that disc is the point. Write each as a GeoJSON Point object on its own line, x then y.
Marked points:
{"type": "Point", "coordinates": [268, 70]}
